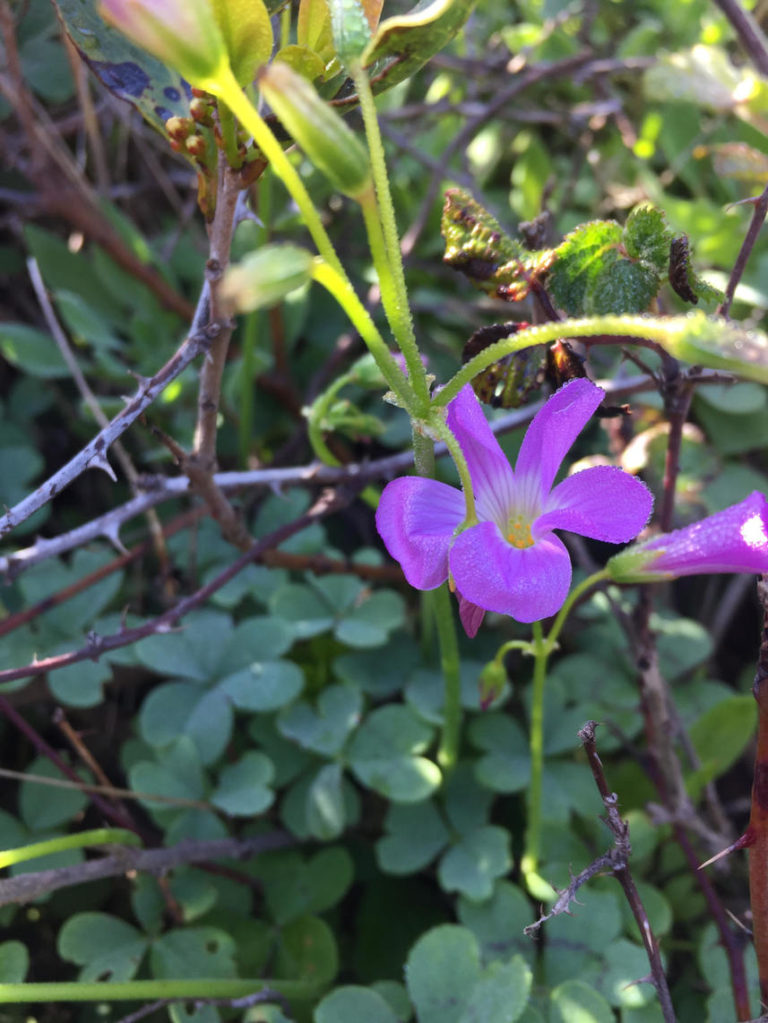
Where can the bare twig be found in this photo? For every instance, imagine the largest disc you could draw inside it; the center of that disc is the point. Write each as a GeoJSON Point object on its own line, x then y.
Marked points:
{"type": "Point", "coordinates": [28, 887]}
{"type": "Point", "coordinates": [760, 209]}
{"type": "Point", "coordinates": [620, 831]}
{"type": "Point", "coordinates": [97, 645]}
{"type": "Point", "coordinates": [748, 31]}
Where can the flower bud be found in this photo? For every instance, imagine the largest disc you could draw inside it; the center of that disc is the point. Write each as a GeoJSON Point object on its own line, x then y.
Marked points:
{"type": "Point", "coordinates": [328, 142]}
{"type": "Point", "coordinates": [265, 277]}
{"type": "Point", "coordinates": [493, 679]}
{"type": "Point", "coordinates": [181, 33]}
{"type": "Point", "coordinates": [732, 540]}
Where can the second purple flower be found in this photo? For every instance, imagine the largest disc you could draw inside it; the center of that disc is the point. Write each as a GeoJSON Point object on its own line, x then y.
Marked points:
{"type": "Point", "coordinates": [510, 560]}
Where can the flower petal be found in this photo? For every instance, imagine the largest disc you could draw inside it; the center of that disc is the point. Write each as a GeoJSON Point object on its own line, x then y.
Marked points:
{"type": "Point", "coordinates": [551, 433]}
{"type": "Point", "coordinates": [733, 540]}
{"type": "Point", "coordinates": [471, 615]}
{"type": "Point", "coordinates": [528, 584]}
{"type": "Point", "coordinates": [489, 468]}
{"type": "Point", "coordinates": [603, 503]}
{"type": "Point", "coordinates": [416, 519]}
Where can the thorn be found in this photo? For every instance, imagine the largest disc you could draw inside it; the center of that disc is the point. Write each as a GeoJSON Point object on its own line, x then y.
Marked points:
{"type": "Point", "coordinates": [100, 462]}
{"type": "Point", "coordinates": [112, 533]}
{"type": "Point", "coordinates": [744, 842]}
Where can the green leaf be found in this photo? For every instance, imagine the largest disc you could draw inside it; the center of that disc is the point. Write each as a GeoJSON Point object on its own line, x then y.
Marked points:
{"type": "Point", "coordinates": [415, 835]}
{"type": "Point", "coordinates": [181, 708]}
{"type": "Point", "coordinates": [31, 351]}
{"type": "Point", "coordinates": [442, 969]}
{"type": "Point", "coordinates": [194, 952]}
{"type": "Point", "coordinates": [591, 276]}
{"type": "Point", "coordinates": [42, 806]}
{"type": "Point", "coordinates": [384, 755]}
{"type": "Point", "coordinates": [498, 923]}
{"type": "Point", "coordinates": [303, 610]}
{"type": "Point", "coordinates": [243, 788]}
{"type": "Point", "coordinates": [370, 621]}
{"type": "Point", "coordinates": [501, 994]}
{"type": "Point", "coordinates": [506, 766]}
{"type": "Point", "coordinates": [353, 1005]}
{"type": "Point", "coordinates": [247, 32]}
{"type": "Point", "coordinates": [178, 776]}
{"type": "Point", "coordinates": [14, 962]}
{"type": "Point", "coordinates": [376, 675]}
{"type": "Point", "coordinates": [576, 1002]}
{"type": "Point", "coordinates": [682, 644]}
{"type": "Point", "coordinates": [718, 344]}
{"type": "Point", "coordinates": [734, 399]}
{"type": "Point", "coordinates": [326, 729]}
{"type": "Point", "coordinates": [720, 736]}
{"type": "Point", "coordinates": [408, 41]}
{"type": "Point", "coordinates": [194, 651]}
{"type": "Point", "coordinates": [107, 948]}
{"type": "Point", "coordinates": [326, 814]}
{"type": "Point", "coordinates": [473, 864]}
{"type": "Point", "coordinates": [647, 236]}
{"type": "Point", "coordinates": [264, 686]}
{"type": "Point", "coordinates": [307, 951]}
{"type": "Point", "coordinates": [350, 29]}
{"type": "Point", "coordinates": [127, 71]}
{"type": "Point", "coordinates": [294, 886]}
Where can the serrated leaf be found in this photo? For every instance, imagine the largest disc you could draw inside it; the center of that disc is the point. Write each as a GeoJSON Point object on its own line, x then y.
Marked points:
{"type": "Point", "coordinates": [476, 244]}
{"type": "Point", "coordinates": [106, 947]}
{"type": "Point", "coordinates": [384, 755]}
{"type": "Point", "coordinates": [647, 235]}
{"type": "Point", "coordinates": [243, 788]}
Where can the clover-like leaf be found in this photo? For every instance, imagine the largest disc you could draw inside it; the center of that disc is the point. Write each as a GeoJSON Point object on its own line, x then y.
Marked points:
{"type": "Point", "coordinates": [506, 764]}
{"type": "Point", "coordinates": [385, 755]}
{"type": "Point", "coordinates": [325, 729]}
{"type": "Point", "coordinates": [442, 969]}
{"type": "Point", "coordinates": [243, 788]}
{"type": "Point", "coordinates": [182, 708]}
{"type": "Point", "coordinates": [106, 947]}
{"type": "Point", "coordinates": [326, 813]}
{"type": "Point", "coordinates": [415, 834]}
{"type": "Point", "coordinates": [473, 864]}
{"type": "Point", "coordinates": [295, 886]}
{"type": "Point", "coordinates": [194, 952]}
{"type": "Point", "coordinates": [14, 962]}
{"type": "Point", "coordinates": [352, 1004]}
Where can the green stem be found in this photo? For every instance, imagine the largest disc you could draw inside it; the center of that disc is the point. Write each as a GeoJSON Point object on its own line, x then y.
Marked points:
{"type": "Point", "coordinates": [149, 990]}
{"type": "Point", "coordinates": [339, 286]}
{"type": "Point", "coordinates": [448, 753]}
{"type": "Point", "coordinates": [401, 321]}
{"type": "Point", "coordinates": [462, 468]}
{"type": "Point", "coordinates": [229, 136]}
{"type": "Point", "coordinates": [225, 86]}
{"type": "Point", "coordinates": [570, 600]}
{"type": "Point", "coordinates": [97, 836]}
{"type": "Point", "coordinates": [638, 327]}
{"type": "Point", "coordinates": [533, 832]}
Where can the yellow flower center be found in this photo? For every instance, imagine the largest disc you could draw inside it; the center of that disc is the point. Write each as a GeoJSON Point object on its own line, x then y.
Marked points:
{"type": "Point", "coordinates": [519, 533]}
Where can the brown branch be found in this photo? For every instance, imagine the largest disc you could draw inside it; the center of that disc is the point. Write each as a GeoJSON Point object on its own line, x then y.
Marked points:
{"type": "Point", "coordinates": [749, 33]}
{"type": "Point", "coordinates": [620, 831]}
{"type": "Point", "coordinates": [760, 209]}
{"type": "Point", "coordinates": [26, 888]}
{"type": "Point", "coordinates": [328, 502]}
{"type": "Point", "coordinates": [758, 820]}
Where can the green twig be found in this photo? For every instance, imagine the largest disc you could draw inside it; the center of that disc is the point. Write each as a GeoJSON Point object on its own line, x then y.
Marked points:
{"type": "Point", "coordinates": [149, 990]}
{"type": "Point", "coordinates": [450, 664]}
{"type": "Point", "coordinates": [97, 836]}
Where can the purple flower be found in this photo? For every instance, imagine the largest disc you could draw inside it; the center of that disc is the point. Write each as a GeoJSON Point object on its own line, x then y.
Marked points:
{"type": "Point", "coordinates": [510, 561]}
{"type": "Point", "coordinates": [733, 540]}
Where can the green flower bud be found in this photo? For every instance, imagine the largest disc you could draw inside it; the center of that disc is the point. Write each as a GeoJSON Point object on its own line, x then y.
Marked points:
{"type": "Point", "coordinates": [493, 678]}
{"type": "Point", "coordinates": [265, 277]}
{"type": "Point", "coordinates": [328, 142]}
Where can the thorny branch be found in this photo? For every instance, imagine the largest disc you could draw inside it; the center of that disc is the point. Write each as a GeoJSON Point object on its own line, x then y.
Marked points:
{"type": "Point", "coordinates": [760, 209]}
{"type": "Point", "coordinates": [28, 887]}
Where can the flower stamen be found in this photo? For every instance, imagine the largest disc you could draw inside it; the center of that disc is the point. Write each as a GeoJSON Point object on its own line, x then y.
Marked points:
{"type": "Point", "coordinates": [519, 533]}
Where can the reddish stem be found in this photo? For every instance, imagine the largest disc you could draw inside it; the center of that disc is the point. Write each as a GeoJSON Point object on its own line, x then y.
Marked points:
{"type": "Point", "coordinates": [758, 820]}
